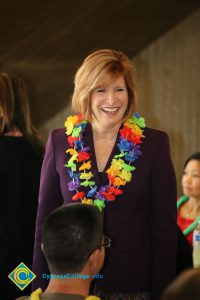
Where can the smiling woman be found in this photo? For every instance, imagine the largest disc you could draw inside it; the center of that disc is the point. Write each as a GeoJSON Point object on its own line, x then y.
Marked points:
{"type": "Point", "coordinates": [107, 157]}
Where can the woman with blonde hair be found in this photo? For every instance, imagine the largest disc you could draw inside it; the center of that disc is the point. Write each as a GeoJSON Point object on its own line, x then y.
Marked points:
{"type": "Point", "coordinates": [107, 157]}
{"type": "Point", "coordinates": [21, 155]}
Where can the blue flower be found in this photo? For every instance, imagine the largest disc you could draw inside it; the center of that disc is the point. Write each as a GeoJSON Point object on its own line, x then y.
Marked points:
{"type": "Point", "coordinates": [73, 174]}
{"type": "Point", "coordinates": [137, 115]}
{"type": "Point", "coordinates": [123, 145]}
{"type": "Point", "coordinates": [130, 156]}
{"type": "Point", "coordinates": [78, 144]}
{"type": "Point", "coordinates": [92, 192]}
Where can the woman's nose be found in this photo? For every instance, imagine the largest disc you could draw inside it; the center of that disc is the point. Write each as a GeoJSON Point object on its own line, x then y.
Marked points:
{"type": "Point", "coordinates": [187, 178]}
{"type": "Point", "coordinates": [111, 97]}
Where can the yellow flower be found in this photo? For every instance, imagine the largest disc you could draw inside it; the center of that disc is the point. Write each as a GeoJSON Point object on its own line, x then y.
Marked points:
{"type": "Point", "coordinates": [134, 127]}
{"type": "Point", "coordinates": [69, 126]}
{"type": "Point", "coordinates": [74, 157]}
{"type": "Point", "coordinates": [86, 175]}
{"type": "Point", "coordinates": [72, 151]}
{"type": "Point", "coordinates": [73, 119]}
{"type": "Point", "coordinates": [35, 295]}
{"type": "Point", "coordinates": [118, 181]}
{"type": "Point", "coordinates": [87, 201]}
{"type": "Point", "coordinates": [125, 175]}
{"type": "Point", "coordinates": [117, 163]}
{"type": "Point", "coordinates": [86, 165]}
{"type": "Point", "coordinates": [113, 171]}
{"type": "Point", "coordinates": [92, 298]}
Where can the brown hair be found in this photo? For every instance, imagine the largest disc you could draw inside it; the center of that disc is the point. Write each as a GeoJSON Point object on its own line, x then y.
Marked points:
{"type": "Point", "coordinates": [185, 287]}
{"type": "Point", "coordinates": [15, 111]}
{"type": "Point", "coordinates": [91, 75]}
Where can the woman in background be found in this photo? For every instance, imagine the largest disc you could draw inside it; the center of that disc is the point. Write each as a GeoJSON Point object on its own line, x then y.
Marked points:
{"type": "Point", "coordinates": [189, 204]}
{"type": "Point", "coordinates": [21, 154]}
{"type": "Point", "coordinates": [107, 157]}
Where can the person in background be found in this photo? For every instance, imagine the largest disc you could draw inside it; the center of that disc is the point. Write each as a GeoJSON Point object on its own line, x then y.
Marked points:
{"type": "Point", "coordinates": [107, 157]}
{"type": "Point", "coordinates": [21, 155]}
{"type": "Point", "coordinates": [185, 287]}
{"type": "Point", "coordinates": [73, 245]}
{"type": "Point", "coordinates": [189, 204]}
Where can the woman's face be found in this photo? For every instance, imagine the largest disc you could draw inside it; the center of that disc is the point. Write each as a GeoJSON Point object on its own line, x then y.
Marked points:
{"type": "Point", "coordinates": [109, 102]}
{"type": "Point", "coordinates": [191, 179]}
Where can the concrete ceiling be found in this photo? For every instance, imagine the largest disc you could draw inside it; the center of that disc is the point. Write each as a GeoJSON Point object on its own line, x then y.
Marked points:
{"type": "Point", "coordinates": [45, 41]}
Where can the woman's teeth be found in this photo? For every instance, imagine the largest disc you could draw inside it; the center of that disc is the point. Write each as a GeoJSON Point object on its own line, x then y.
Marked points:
{"type": "Point", "coordinates": [110, 109]}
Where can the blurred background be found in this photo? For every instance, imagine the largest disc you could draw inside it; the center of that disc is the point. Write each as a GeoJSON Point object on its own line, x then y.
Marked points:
{"type": "Point", "coordinates": [45, 42]}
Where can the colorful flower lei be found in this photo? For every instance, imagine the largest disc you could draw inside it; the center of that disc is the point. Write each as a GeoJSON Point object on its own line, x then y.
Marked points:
{"type": "Point", "coordinates": [36, 296]}
{"type": "Point", "coordinates": [119, 173]}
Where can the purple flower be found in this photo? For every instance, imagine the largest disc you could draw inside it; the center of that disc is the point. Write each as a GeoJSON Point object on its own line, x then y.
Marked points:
{"type": "Point", "coordinates": [134, 153]}
{"type": "Point", "coordinates": [86, 149]}
{"type": "Point", "coordinates": [136, 150]}
{"type": "Point", "coordinates": [73, 185]}
{"type": "Point", "coordinates": [99, 194]}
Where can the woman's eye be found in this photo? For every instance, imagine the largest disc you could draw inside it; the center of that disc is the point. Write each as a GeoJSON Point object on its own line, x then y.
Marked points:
{"type": "Point", "coordinates": [196, 175]}
{"type": "Point", "coordinates": [120, 89]}
{"type": "Point", "coordinates": [100, 91]}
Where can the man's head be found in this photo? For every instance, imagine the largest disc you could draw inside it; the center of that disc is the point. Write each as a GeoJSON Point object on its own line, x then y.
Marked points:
{"type": "Point", "coordinates": [72, 236]}
{"type": "Point", "coordinates": [185, 287]}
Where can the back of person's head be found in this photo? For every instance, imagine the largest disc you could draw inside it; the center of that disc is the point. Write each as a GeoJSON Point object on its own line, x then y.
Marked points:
{"type": "Point", "coordinates": [185, 287]}
{"type": "Point", "coordinates": [69, 236]}
{"type": "Point", "coordinates": [93, 73]}
{"type": "Point", "coordinates": [15, 110]}
{"type": "Point", "coordinates": [194, 156]}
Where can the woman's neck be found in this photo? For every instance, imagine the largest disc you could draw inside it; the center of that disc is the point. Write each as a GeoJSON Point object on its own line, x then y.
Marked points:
{"type": "Point", "coordinates": [105, 133]}
{"type": "Point", "coordinates": [194, 205]}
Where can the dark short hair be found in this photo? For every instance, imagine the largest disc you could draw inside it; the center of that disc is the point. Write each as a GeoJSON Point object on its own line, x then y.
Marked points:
{"type": "Point", "coordinates": [69, 235]}
{"type": "Point", "coordinates": [194, 156]}
{"type": "Point", "coordinates": [185, 287]}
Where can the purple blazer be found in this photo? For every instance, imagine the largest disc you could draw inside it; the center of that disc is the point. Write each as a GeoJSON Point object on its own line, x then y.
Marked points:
{"type": "Point", "coordinates": [141, 222]}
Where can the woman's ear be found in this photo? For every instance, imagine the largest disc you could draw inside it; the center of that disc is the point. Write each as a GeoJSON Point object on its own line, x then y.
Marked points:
{"type": "Point", "coordinates": [42, 247]}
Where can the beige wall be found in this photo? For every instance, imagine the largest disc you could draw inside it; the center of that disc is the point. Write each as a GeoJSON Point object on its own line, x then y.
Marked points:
{"type": "Point", "coordinates": [169, 88]}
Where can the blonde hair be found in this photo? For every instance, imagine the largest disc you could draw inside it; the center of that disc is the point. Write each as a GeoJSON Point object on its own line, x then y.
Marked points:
{"type": "Point", "coordinates": [15, 110]}
{"type": "Point", "coordinates": [91, 75]}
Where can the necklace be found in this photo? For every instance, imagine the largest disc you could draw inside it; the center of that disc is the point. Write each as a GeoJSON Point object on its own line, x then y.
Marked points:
{"type": "Point", "coordinates": [36, 296]}
{"type": "Point", "coordinates": [192, 226]}
{"type": "Point", "coordinates": [119, 172]}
